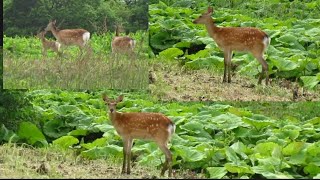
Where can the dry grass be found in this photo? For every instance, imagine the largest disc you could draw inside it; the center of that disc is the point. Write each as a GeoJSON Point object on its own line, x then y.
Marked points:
{"type": "Point", "coordinates": [81, 72]}
{"type": "Point", "coordinates": [28, 162]}
{"type": "Point", "coordinates": [178, 84]}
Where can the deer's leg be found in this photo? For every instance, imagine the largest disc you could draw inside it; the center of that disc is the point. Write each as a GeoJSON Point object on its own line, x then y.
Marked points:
{"type": "Point", "coordinates": [129, 155]}
{"type": "Point", "coordinates": [227, 66]}
{"type": "Point", "coordinates": [127, 144]}
{"type": "Point", "coordinates": [168, 162]}
{"type": "Point", "coordinates": [265, 69]}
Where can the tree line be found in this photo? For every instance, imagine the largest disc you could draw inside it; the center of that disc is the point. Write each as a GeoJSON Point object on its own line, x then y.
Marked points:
{"type": "Point", "coordinates": [26, 17]}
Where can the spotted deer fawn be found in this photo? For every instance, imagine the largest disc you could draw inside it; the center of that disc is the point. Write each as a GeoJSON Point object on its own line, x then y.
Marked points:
{"type": "Point", "coordinates": [122, 44]}
{"type": "Point", "coordinates": [228, 39]}
{"type": "Point", "coordinates": [46, 44]}
{"type": "Point", "coordinates": [141, 125]}
{"type": "Point", "coordinates": [69, 37]}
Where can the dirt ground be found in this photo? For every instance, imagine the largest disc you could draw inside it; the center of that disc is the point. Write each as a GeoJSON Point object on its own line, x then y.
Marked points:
{"type": "Point", "coordinates": [178, 84]}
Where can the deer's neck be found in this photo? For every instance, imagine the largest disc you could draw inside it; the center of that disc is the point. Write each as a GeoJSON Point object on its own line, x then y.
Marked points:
{"type": "Point", "coordinates": [113, 116]}
{"type": "Point", "coordinates": [212, 28]}
{"type": "Point", "coordinates": [55, 32]}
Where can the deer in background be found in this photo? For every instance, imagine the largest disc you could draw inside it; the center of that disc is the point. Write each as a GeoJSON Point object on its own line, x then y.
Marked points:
{"type": "Point", "coordinates": [122, 44]}
{"type": "Point", "coordinates": [46, 44]}
{"type": "Point", "coordinates": [141, 125]}
{"type": "Point", "coordinates": [69, 37]}
{"type": "Point", "coordinates": [228, 39]}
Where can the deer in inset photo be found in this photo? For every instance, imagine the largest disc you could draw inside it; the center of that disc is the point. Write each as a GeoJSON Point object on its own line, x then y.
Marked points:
{"type": "Point", "coordinates": [122, 44]}
{"type": "Point", "coordinates": [69, 37]}
{"type": "Point", "coordinates": [228, 39]}
{"type": "Point", "coordinates": [47, 44]}
{"type": "Point", "coordinates": [141, 125]}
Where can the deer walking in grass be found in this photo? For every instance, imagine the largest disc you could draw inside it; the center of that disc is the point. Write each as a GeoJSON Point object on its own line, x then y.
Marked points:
{"type": "Point", "coordinates": [69, 37]}
{"type": "Point", "coordinates": [141, 125]}
{"type": "Point", "coordinates": [228, 39]}
{"type": "Point", "coordinates": [46, 44]}
{"type": "Point", "coordinates": [122, 44]}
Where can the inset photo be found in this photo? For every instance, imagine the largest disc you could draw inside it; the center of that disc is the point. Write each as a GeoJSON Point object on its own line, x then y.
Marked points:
{"type": "Point", "coordinates": [88, 44]}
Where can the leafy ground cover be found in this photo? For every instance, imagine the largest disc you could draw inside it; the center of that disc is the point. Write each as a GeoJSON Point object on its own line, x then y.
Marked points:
{"type": "Point", "coordinates": [213, 138]}
{"type": "Point", "coordinates": [293, 53]}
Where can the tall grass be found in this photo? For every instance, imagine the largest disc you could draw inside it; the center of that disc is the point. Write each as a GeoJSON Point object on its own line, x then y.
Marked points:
{"type": "Point", "coordinates": [26, 68]}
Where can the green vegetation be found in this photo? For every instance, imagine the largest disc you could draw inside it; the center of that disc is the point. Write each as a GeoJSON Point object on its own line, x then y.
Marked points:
{"type": "Point", "coordinates": [237, 130]}
{"type": "Point", "coordinates": [222, 140]}
{"type": "Point", "coordinates": [25, 17]}
{"type": "Point", "coordinates": [25, 66]}
{"type": "Point", "coordinates": [293, 53]}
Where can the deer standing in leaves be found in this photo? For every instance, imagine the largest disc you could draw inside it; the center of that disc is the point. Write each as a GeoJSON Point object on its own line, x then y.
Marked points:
{"type": "Point", "coordinates": [141, 125]}
{"type": "Point", "coordinates": [46, 44]}
{"type": "Point", "coordinates": [122, 44]}
{"type": "Point", "coordinates": [230, 39]}
{"type": "Point", "coordinates": [69, 37]}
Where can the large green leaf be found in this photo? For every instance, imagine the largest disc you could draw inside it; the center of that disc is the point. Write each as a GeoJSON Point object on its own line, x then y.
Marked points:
{"type": "Point", "coordinates": [310, 82]}
{"type": "Point", "coordinates": [312, 169]}
{"type": "Point", "coordinates": [271, 174]}
{"type": "Point", "coordinates": [56, 128]}
{"type": "Point", "coordinates": [240, 168]}
{"type": "Point", "coordinates": [65, 141]}
{"type": "Point", "coordinates": [171, 53]}
{"type": "Point", "coordinates": [103, 152]}
{"type": "Point", "coordinates": [195, 128]}
{"type": "Point", "coordinates": [217, 172]}
{"type": "Point", "coordinates": [265, 149]}
{"type": "Point", "coordinates": [259, 124]}
{"type": "Point", "coordinates": [293, 148]}
{"type": "Point", "coordinates": [31, 134]}
{"type": "Point", "coordinates": [188, 154]}
{"type": "Point", "coordinates": [7, 135]}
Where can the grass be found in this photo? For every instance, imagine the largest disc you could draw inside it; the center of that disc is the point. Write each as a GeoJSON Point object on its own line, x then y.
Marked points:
{"type": "Point", "coordinates": [80, 72]}
{"type": "Point", "coordinates": [24, 161]}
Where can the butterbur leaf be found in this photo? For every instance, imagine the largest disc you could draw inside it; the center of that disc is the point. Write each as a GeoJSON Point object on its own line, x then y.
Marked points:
{"type": "Point", "coordinates": [56, 128]}
{"type": "Point", "coordinates": [271, 174]}
{"type": "Point", "coordinates": [103, 152]}
{"type": "Point", "coordinates": [312, 169]}
{"type": "Point", "coordinates": [188, 154]}
{"type": "Point", "coordinates": [241, 168]}
{"type": "Point", "coordinates": [293, 148]}
{"type": "Point", "coordinates": [171, 53]}
{"type": "Point", "coordinates": [65, 141]}
{"type": "Point", "coordinates": [310, 81]}
{"type": "Point", "coordinates": [7, 135]}
{"type": "Point", "coordinates": [265, 149]}
{"type": "Point", "coordinates": [216, 172]}
{"type": "Point", "coordinates": [31, 133]}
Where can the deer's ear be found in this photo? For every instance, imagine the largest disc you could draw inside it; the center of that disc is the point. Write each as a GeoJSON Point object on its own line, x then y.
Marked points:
{"type": "Point", "coordinates": [105, 97]}
{"type": "Point", "coordinates": [120, 98]}
{"type": "Point", "coordinates": [54, 21]}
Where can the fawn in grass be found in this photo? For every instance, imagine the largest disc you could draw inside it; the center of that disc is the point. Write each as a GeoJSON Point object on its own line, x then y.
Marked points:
{"type": "Point", "coordinates": [69, 37]}
{"type": "Point", "coordinates": [141, 125]}
{"type": "Point", "coordinates": [228, 39]}
{"type": "Point", "coordinates": [122, 44]}
{"type": "Point", "coordinates": [46, 44]}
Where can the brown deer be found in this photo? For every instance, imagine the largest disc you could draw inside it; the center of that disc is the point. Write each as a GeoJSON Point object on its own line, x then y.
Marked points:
{"type": "Point", "coordinates": [69, 37]}
{"type": "Point", "coordinates": [141, 125]}
{"type": "Point", "coordinates": [46, 44]}
{"type": "Point", "coordinates": [228, 39]}
{"type": "Point", "coordinates": [122, 44]}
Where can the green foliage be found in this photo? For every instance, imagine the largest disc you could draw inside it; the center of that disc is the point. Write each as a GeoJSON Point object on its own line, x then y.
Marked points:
{"type": "Point", "coordinates": [226, 141]}
{"type": "Point", "coordinates": [295, 36]}
{"type": "Point", "coordinates": [30, 132]}
{"type": "Point", "coordinates": [26, 17]}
